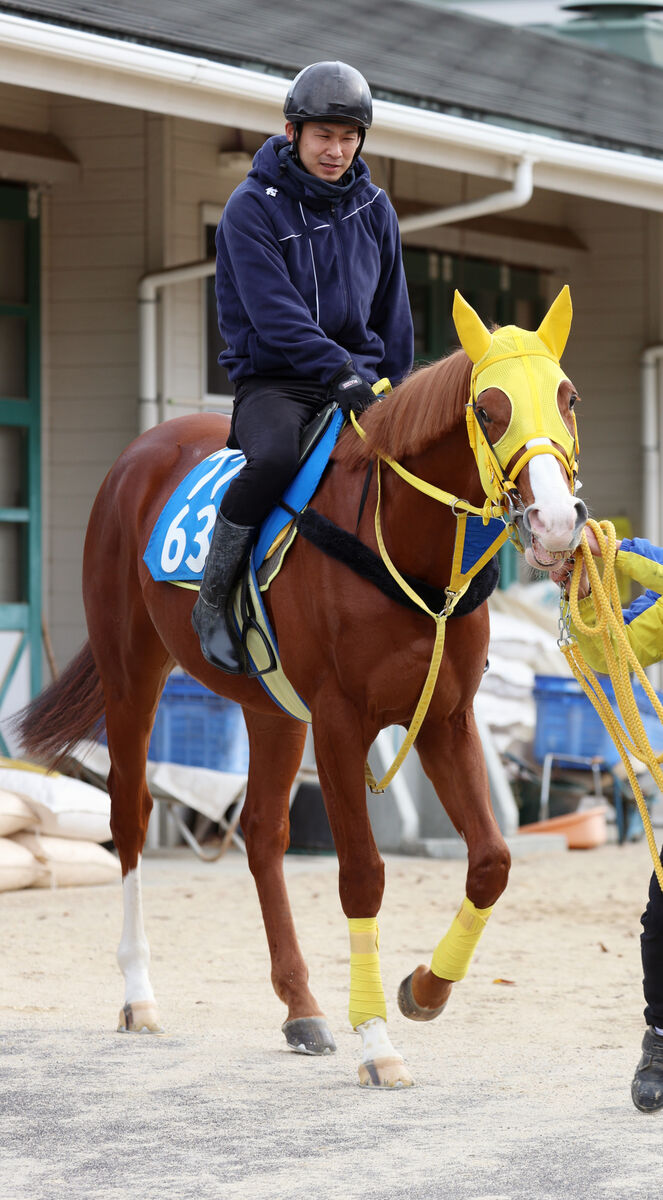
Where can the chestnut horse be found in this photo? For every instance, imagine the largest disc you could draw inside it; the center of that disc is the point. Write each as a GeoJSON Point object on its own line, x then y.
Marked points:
{"type": "Point", "coordinates": [356, 658]}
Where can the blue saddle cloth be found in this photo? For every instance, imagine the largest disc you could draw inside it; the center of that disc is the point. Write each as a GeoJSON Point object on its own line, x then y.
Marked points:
{"type": "Point", "coordinates": [180, 541]}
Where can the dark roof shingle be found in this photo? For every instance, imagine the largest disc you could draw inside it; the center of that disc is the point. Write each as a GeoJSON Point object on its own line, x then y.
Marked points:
{"type": "Point", "coordinates": [409, 50]}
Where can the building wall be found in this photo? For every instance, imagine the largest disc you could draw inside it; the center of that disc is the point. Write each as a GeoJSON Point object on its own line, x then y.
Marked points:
{"type": "Point", "coordinates": [611, 327]}
{"type": "Point", "coordinates": [95, 254]}
{"type": "Point", "coordinates": [616, 292]}
{"type": "Point", "coordinates": [138, 206]}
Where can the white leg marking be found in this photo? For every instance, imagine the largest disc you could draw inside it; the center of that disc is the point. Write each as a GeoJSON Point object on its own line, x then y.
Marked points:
{"type": "Point", "coordinates": [381, 1066]}
{"type": "Point", "coordinates": [375, 1040]}
{"type": "Point", "coordinates": [133, 953]}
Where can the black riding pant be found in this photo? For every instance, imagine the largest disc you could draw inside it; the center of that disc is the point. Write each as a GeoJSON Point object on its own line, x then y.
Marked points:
{"type": "Point", "coordinates": [268, 418]}
{"type": "Point", "coordinates": [651, 946]}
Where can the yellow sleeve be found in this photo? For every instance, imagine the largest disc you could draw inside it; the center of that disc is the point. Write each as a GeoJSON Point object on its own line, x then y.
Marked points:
{"type": "Point", "coordinates": [644, 570]}
{"type": "Point", "coordinates": [644, 633]}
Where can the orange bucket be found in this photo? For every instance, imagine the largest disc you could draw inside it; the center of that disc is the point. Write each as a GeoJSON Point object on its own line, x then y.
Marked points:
{"type": "Point", "coordinates": [583, 830]}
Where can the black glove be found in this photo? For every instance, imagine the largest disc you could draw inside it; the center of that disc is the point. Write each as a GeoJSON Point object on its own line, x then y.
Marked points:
{"type": "Point", "coordinates": [350, 391]}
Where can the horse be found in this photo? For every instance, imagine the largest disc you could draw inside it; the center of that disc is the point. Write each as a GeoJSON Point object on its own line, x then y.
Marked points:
{"type": "Point", "coordinates": [356, 657]}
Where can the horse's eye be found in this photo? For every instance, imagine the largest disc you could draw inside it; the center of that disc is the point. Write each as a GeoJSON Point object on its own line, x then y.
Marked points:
{"type": "Point", "coordinates": [481, 412]}
{"type": "Point", "coordinates": [572, 399]}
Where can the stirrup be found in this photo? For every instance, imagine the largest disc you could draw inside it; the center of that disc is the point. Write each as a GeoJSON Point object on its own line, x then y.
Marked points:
{"type": "Point", "coordinates": [250, 625]}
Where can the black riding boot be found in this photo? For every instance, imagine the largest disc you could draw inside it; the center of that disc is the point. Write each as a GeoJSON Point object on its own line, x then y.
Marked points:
{"type": "Point", "coordinates": [211, 616]}
{"type": "Point", "coordinates": [647, 1086]}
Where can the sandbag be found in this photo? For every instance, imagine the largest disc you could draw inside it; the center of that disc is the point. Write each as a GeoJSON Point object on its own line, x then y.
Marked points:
{"type": "Point", "coordinates": [64, 807]}
{"type": "Point", "coordinates": [69, 862]}
{"type": "Point", "coordinates": [15, 814]}
{"type": "Point", "coordinates": [18, 866]}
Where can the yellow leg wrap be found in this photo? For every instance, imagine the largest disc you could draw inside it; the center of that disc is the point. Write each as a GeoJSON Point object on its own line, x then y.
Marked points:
{"type": "Point", "coordinates": [366, 991]}
{"type": "Point", "coordinates": [452, 956]}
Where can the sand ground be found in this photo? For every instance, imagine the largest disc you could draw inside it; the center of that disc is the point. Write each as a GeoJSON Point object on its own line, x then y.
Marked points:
{"type": "Point", "coordinates": [522, 1088]}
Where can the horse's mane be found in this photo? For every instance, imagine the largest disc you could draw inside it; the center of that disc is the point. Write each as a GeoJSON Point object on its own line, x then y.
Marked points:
{"type": "Point", "coordinates": [428, 404]}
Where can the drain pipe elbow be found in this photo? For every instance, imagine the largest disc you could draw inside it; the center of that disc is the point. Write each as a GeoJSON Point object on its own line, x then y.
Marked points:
{"type": "Point", "coordinates": [514, 197]}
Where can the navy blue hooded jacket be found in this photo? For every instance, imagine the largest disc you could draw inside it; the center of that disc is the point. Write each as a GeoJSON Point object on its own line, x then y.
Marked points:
{"type": "Point", "coordinates": [309, 274]}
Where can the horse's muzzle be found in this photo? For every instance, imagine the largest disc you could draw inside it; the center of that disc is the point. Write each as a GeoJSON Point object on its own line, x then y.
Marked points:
{"type": "Point", "coordinates": [542, 557]}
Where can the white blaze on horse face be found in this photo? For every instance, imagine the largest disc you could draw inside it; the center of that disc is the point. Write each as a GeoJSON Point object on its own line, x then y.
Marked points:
{"type": "Point", "coordinates": [133, 953]}
{"type": "Point", "coordinates": [553, 511]}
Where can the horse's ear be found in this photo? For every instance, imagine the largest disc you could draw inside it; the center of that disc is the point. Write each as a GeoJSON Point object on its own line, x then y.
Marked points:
{"type": "Point", "coordinates": [474, 337]}
{"type": "Point", "coordinates": [556, 325]}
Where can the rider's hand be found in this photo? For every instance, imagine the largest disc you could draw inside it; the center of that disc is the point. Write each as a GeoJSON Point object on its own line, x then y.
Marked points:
{"type": "Point", "coordinates": [350, 391]}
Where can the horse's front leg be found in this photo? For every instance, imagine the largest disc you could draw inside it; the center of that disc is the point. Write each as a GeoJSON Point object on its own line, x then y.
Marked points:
{"type": "Point", "coordinates": [452, 757]}
{"type": "Point", "coordinates": [276, 747]}
{"type": "Point", "coordinates": [341, 752]}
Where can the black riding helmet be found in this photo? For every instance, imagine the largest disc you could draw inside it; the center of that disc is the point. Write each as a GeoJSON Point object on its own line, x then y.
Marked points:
{"type": "Point", "coordinates": [330, 91]}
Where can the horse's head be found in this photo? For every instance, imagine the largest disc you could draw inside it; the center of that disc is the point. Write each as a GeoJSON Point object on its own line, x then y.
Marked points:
{"type": "Point", "coordinates": [522, 428]}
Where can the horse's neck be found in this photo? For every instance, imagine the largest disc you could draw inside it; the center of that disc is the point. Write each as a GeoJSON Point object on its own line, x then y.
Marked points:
{"type": "Point", "coordinates": [420, 531]}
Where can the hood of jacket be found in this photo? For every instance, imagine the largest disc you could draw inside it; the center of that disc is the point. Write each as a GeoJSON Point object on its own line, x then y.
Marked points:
{"type": "Point", "coordinates": [274, 165]}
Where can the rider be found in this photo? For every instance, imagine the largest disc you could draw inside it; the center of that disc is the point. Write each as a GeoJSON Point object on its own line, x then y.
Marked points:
{"type": "Point", "coordinates": [643, 621]}
{"type": "Point", "coordinates": [312, 304]}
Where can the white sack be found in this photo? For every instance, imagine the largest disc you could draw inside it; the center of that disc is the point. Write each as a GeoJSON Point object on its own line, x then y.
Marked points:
{"type": "Point", "coordinates": [15, 814]}
{"type": "Point", "coordinates": [18, 867]}
{"type": "Point", "coordinates": [69, 862]}
{"type": "Point", "coordinates": [64, 807]}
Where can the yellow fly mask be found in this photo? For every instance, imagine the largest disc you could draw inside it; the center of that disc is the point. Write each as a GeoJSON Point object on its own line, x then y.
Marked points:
{"type": "Point", "coordinates": [525, 366]}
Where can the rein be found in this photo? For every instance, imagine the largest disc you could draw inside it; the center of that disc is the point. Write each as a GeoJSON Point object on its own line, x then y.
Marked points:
{"type": "Point", "coordinates": [455, 590]}
{"type": "Point", "coordinates": [621, 661]}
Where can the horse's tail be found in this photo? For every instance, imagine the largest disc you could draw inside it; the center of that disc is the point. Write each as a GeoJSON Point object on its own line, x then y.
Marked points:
{"type": "Point", "coordinates": [66, 712]}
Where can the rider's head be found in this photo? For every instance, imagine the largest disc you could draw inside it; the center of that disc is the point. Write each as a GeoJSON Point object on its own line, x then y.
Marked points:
{"type": "Point", "coordinates": [328, 110]}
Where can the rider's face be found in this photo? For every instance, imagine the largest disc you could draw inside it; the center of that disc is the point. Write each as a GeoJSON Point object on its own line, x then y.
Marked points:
{"type": "Point", "coordinates": [326, 150]}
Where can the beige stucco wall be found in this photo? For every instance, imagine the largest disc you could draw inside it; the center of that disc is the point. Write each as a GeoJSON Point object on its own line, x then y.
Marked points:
{"type": "Point", "coordinates": [138, 206]}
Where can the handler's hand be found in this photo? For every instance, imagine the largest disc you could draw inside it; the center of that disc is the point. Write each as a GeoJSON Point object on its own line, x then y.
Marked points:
{"type": "Point", "coordinates": [562, 575]}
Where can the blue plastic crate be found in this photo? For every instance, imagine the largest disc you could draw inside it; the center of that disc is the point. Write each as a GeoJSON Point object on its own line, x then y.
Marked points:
{"type": "Point", "coordinates": [195, 727]}
{"type": "Point", "coordinates": [567, 723]}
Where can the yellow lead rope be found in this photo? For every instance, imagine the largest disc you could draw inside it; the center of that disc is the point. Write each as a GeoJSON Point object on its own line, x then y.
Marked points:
{"type": "Point", "coordinates": [621, 661]}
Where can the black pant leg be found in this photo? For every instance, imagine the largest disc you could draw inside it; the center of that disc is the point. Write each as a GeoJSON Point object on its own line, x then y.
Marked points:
{"type": "Point", "coordinates": [268, 420]}
{"type": "Point", "coordinates": [651, 947]}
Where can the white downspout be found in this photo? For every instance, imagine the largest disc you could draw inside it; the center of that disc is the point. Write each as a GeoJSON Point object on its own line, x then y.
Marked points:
{"type": "Point", "coordinates": [651, 459]}
{"type": "Point", "coordinates": [148, 288]}
{"type": "Point", "coordinates": [514, 197]}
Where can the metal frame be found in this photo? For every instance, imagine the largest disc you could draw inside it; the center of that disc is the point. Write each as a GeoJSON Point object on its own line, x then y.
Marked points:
{"type": "Point", "coordinates": [21, 204]}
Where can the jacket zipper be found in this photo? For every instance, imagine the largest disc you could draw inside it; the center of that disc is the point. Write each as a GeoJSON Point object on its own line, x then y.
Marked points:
{"type": "Point", "coordinates": [344, 271]}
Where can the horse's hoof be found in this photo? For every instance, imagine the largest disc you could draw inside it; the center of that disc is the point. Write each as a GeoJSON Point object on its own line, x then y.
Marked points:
{"type": "Point", "coordinates": [139, 1017]}
{"type": "Point", "coordinates": [309, 1035]}
{"type": "Point", "coordinates": [409, 1006]}
{"type": "Point", "coordinates": [385, 1073]}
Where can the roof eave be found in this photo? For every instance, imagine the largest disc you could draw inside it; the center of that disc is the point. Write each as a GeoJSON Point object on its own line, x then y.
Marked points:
{"type": "Point", "coordinates": [71, 62]}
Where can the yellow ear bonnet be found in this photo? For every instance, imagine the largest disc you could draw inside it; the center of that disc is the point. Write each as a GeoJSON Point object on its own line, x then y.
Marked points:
{"type": "Point", "coordinates": [556, 325]}
{"type": "Point", "coordinates": [525, 366]}
{"type": "Point", "coordinates": [472, 333]}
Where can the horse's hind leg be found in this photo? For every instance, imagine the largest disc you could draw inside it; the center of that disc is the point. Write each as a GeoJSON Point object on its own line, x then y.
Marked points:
{"type": "Point", "coordinates": [276, 748]}
{"type": "Point", "coordinates": [132, 689]}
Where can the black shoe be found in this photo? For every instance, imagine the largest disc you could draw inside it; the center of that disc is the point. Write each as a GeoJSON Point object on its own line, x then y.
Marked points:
{"type": "Point", "coordinates": [647, 1086]}
{"type": "Point", "coordinates": [211, 617]}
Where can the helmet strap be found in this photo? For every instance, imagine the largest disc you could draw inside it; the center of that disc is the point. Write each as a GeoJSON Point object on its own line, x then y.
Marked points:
{"type": "Point", "coordinates": [362, 139]}
{"type": "Point", "coordinates": [299, 125]}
